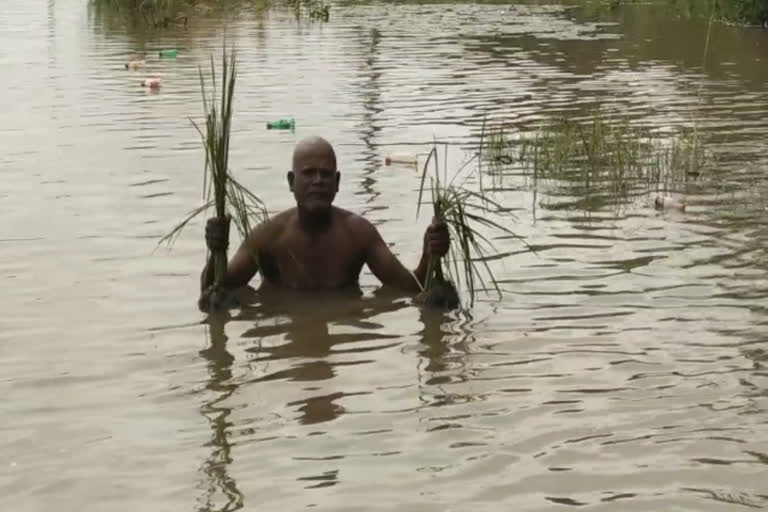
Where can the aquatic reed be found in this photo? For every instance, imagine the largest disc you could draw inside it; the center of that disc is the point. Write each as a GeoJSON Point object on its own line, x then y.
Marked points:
{"type": "Point", "coordinates": [315, 10]}
{"type": "Point", "coordinates": [220, 189]}
{"type": "Point", "coordinates": [602, 153]}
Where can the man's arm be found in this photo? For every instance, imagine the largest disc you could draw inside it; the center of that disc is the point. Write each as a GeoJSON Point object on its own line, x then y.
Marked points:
{"type": "Point", "coordinates": [388, 269]}
{"type": "Point", "coordinates": [240, 269]}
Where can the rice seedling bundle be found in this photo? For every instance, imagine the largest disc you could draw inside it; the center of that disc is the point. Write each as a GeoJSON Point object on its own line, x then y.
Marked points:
{"type": "Point", "coordinates": [221, 190]}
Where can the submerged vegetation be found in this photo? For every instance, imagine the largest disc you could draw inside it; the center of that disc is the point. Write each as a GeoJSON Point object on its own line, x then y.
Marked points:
{"type": "Point", "coordinates": [613, 156]}
{"type": "Point", "coordinates": [753, 12]}
{"type": "Point", "coordinates": [315, 10]}
{"type": "Point", "coordinates": [749, 12]}
{"type": "Point", "coordinates": [604, 154]}
{"type": "Point", "coordinates": [149, 13]}
{"type": "Point", "coordinates": [161, 14]}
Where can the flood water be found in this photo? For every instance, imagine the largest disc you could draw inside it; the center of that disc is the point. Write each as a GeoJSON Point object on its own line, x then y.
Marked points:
{"type": "Point", "coordinates": [623, 369]}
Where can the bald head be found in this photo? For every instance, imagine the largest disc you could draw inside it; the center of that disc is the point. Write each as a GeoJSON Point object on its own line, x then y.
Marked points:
{"type": "Point", "coordinates": [310, 150]}
{"type": "Point", "coordinates": [313, 178]}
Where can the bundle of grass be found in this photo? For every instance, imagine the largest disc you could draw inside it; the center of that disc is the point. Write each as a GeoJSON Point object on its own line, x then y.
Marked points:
{"type": "Point", "coordinates": [221, 191]}
{"type": "Point", "coordinates": [465, 212]}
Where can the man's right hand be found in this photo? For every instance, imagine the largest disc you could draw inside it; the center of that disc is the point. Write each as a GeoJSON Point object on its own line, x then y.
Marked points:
{"type": "Point", "coordinates": [204, 302]}
{"type": "Point", "coordinates": [216, 298]}
{"type": "Point", "coordinates": [217, 233]}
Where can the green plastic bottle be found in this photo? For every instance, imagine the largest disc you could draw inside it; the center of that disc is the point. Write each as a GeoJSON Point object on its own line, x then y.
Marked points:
{"type": "Point", "coordinates": [282, 124]}
{"type": "Point", "coordinates": [169, 53]}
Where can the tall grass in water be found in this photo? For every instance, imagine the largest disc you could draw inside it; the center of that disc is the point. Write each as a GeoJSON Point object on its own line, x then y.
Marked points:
{"type": "Point", "coordinates": [220, 189]}
{"type": "Point", "coordinates": [600, 154]}
{"type": "Point", "coordinates": [153, 13]}
{"type": "Point", "coordinates": [465, 212]}
{"type": "Point", "coordinates": [315, 10]}
{"type": "Point", "coordinates": [753, 12]}
{"type": "Point", "coordinates": [159, 14]}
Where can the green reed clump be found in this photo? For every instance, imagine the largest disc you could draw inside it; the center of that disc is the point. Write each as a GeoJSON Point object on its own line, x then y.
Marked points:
{"type": "Point", "coordinates": [600, 154]}
{"type": "Point", "coordinates": [498, 146]}
{"type": "Point", "coordinates": [465, 212]}
{"type": "Point", "coordinates": [592, 152]}
{"type": "Point", "coordinates": [315, 10]}
{"type": "Point", "coordinates": [753, 12]}
{"type": "Point", "coordinates": [220, 189]}
{"type": "Point", "coordinates": [152, 13]}
{"type": "Point", "coordinates": [679, 159]}
{"type": "Point", "coordinates": [160, 14]}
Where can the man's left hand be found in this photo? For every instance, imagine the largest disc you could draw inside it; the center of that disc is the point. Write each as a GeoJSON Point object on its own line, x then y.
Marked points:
{"type": "Point", "coordinates": [437, 239]}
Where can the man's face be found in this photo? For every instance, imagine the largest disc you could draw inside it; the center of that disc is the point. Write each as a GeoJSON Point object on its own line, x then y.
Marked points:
{"type": "Point", "coordinates": [314, 182]}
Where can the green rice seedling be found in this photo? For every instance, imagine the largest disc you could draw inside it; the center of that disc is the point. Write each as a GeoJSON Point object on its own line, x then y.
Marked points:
{"type": "Point", "coordinates": [493, 149]}
{"type": "Point", "coordinates": [750, 12]}
{"type": "Point", "coordinates": [151, 13]}
{"type": "Point", "coordinates": [595, 155]}
{"type": "Point", "coordinates": [498, 147]}
{"type": "Point", "coordinates": [465, 212]}
{"type": "Point", "coordinates": [602, 159]}
{"type": "Point", "coordinates": [169, 14]}
{"type": "Point", "coordinates": [678, 160]}
{"type": "Point", "coordinates": [220, 189]}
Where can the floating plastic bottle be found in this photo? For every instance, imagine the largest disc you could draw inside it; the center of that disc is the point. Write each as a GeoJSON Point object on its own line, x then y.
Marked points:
{"type": "Point", "coordinates": [152, 83]}
{"type": "Point", "coordinates": [402, 159]}
{"type": "Point", "coordinates": [171, 53]}
{"type": "Point", "coordinates": [669, 203]}
{"type": "Point", "coordinates": [282, 124]}
{"type": "Point", "coordinates": [135, 64]}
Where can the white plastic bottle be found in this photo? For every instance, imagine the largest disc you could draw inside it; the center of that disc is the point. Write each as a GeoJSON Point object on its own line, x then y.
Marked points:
{"type": "Point", "coordinates": [669, 203]}
{"type": "Point", "coordinates": [152, 83]}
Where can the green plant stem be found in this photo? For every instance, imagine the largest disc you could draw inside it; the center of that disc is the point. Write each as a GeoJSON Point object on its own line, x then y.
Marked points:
{"type": "Point", "coordinates": [434, 273]}
{"type": "Point", "coordinates": [437, 266]}
{"type": "Point", "coordinates": [220, 266]}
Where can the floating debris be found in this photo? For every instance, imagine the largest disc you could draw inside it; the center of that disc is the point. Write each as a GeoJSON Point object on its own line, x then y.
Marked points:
{"type": "Point", "coordinates": [152, 83]}
{"type": "Point", "coordinates": [135, 64]}
{"type": "Point", "coordinates": [669, 203]}
{"type": "Point", "coordinates": [282, 124]}
{"type": "Point", "coordinates": [402, 159]}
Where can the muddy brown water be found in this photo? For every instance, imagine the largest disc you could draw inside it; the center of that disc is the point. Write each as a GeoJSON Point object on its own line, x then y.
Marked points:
{"type": "Point", "coordinates": [624, 368]}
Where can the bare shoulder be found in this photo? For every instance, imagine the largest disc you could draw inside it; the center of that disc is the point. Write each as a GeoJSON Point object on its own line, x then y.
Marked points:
{"type": "Point", "coordinates": [359, 226]}
{"type": "Point", "coordinates": [281, 219]}
{"type": "Point", "coordinates": [271, 228]}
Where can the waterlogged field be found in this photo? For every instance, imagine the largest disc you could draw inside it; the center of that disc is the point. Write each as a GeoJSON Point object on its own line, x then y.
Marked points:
{"type": "Point", "coordinates": [623, 367]}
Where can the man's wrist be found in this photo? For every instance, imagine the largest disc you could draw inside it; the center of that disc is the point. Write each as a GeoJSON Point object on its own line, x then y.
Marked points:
{"type": "Point", "coordinates": [421, 270]}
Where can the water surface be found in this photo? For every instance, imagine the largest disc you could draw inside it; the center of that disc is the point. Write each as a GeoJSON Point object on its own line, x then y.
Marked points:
{"type": "Point", "coordinates": [624, 368]}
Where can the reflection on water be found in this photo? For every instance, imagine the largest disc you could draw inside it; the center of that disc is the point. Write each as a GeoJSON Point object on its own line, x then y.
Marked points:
{"type": "Point", "coordinates": [294, 329]}
{"type": "Point", "coordinates": [624, 367]}
{"type": "Point", "coordinates": [218, 482]}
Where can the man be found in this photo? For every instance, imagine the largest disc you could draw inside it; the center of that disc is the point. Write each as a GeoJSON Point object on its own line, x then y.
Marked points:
{"type": "Point", "coordinates": [316, 246]}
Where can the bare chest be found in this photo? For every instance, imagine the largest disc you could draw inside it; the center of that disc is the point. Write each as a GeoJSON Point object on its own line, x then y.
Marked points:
{"type": "Point", "coordinates": [327, 261]}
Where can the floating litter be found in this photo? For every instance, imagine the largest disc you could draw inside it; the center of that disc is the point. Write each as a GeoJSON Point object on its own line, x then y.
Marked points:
{"type": "Point", "coordinates": [135, 64]}
{"type": "Point", "coordinates": [152, 83]}
{"type": "Point", "coordinates": [668, 203]}
{"type": "Point", "coordinates": [282, 124]}
{"type": "Point", "coordinates": [403, 159]}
